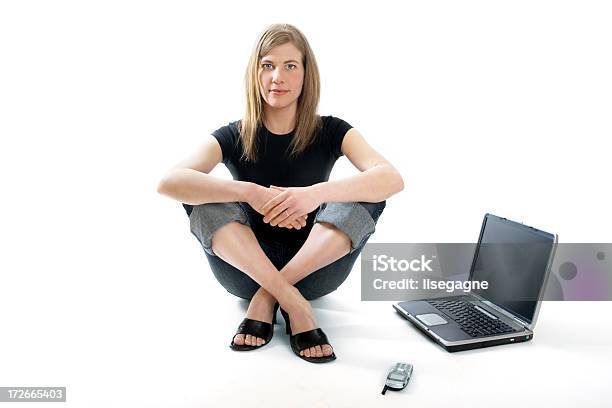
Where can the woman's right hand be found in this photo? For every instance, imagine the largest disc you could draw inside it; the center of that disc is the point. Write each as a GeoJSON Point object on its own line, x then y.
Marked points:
{"type": "Point", "coordinates": [260, 195]}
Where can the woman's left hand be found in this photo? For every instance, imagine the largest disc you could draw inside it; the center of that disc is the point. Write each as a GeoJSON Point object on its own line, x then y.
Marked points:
{"type": "Point", "coordinates": [293, 202]}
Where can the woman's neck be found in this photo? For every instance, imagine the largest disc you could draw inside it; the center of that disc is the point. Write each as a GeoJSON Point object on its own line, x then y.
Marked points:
{"type": "Point", "coordinates": [279, 121]}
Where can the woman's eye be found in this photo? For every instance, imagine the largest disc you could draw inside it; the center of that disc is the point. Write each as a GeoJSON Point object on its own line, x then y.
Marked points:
{"type": "Point", "coordinates": [291, 66]}
{"type": "Point", "coordinates": [267, 66]}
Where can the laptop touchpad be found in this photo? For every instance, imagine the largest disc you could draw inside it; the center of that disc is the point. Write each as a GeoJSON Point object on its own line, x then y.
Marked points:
{"type": "Point", "coordinates": [431, 319]}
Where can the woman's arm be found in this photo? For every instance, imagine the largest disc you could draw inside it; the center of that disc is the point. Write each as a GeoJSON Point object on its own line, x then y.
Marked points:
{"type": "Point", "coordinates": [193, 187]}
{"type": "Point", "coordinates": [190, 183]}
{"type": "Point", "coordinates": [377, 180]}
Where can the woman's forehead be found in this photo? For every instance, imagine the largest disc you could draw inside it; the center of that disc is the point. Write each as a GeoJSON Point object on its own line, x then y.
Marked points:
{"type": "Point", "coordinates": [283, 53]}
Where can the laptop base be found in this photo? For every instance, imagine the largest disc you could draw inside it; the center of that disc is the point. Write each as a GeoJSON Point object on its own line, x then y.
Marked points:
{"type": "Point", "coordinates": [481, 343]}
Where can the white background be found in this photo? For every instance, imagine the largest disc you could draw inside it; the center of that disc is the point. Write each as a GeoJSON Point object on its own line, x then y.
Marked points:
{"type": "Point", "coordinates": [483, 106]}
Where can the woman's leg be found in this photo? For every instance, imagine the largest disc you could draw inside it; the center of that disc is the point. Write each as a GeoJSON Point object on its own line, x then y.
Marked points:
{"type": "Point", "coordinates": [340, 229]}
{"type": "Point", "coordinates": [334, 243]}
{"type": "Point", "coordinates": [327, 256]}
{"type": "Point", "coordinates": [224, 232]}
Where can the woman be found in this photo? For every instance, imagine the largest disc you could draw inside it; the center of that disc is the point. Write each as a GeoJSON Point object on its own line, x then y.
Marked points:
{"type": "Point", "coordinates": [280, 233]}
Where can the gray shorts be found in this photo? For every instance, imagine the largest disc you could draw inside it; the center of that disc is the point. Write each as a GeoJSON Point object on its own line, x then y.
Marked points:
{"type": "Point", "coordinates": [356, 219]}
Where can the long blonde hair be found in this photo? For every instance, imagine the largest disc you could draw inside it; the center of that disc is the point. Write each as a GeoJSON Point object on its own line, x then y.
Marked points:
{"type": "Point", "coordinates": [307, 120]}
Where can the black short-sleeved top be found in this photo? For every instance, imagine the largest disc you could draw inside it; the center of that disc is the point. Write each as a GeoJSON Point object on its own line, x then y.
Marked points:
{"type": "Point", "coordinates": [275, 167]}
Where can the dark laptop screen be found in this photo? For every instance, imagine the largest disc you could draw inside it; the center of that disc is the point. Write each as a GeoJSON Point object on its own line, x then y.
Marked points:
{"type": "Point", "coordinates": [513, 258]}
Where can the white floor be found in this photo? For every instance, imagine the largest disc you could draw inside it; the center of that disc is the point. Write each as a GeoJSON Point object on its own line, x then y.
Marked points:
{"type": "Point", "coordinates": [137, 320]}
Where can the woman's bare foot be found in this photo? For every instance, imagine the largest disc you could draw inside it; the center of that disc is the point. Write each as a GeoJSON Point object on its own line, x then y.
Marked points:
{"type": "Point", "coordinates": [302, 319]}
{"type": "Point", "coordinates": [260, 308]}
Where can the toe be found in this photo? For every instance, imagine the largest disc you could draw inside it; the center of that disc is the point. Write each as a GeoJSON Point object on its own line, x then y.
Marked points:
{"type": "Point", "coordinates": [313, 352]}
{"type": "Point", "coordinates": [318, 351]}
{"type": "Point", "coordinates": [327, 350]}
{"type": "Point", "coordinates": [239, 339]}
{"type": "Point", "coordinates": [248, 340]}
{"type": "Point", "coordinates": [307, 352]}
{"type": "Point", "coordinates": [259, 341]}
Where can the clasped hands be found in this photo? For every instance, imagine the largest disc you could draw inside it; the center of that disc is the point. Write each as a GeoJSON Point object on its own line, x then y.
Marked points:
{"type": "Point", "coordinates": [285, 207]}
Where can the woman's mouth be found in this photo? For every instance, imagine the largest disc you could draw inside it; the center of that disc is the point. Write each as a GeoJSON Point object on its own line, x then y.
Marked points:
{"type": "Point", "coordinates": [278, 92]}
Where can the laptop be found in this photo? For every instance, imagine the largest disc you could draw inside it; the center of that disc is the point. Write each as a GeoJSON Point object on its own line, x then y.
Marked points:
{"type": "Point", "coordinates": [515, 260]}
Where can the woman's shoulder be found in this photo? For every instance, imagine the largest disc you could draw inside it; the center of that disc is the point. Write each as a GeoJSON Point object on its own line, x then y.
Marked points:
{"type": "Point", "coordinates": [334, 124]}
{"type": "Point", "coordinates": [228, 137]}
{"type": "Point", "coordinates": [230, 129]}
{"type": "Point", "coordinates": [333, 130]}
{"type": "Point", "coordinates": [330, 121]}
{"type": "Point", "coordinates": [327, 119]}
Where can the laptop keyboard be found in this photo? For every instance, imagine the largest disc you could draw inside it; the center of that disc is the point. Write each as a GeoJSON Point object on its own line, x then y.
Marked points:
{"type": "Point", "coordinates": [471, 320]}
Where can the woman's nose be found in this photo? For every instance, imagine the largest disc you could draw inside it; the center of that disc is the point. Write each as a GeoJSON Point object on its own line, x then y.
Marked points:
{"type": "Point", "coordinates": [276, 76]}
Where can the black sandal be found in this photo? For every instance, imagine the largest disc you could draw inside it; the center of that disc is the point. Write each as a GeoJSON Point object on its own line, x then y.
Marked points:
{"type": "Point", "coordinates": [255, 328]}
{"type": "Point", "coordinates": [307, 339]}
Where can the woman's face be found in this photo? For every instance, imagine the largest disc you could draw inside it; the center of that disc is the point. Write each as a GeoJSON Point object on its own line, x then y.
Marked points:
{"type": "Point", "coordinates": [281, 76]}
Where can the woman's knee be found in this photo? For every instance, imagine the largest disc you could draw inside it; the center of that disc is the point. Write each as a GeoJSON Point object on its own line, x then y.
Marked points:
{"type": "Point", "coordinates": [356, 219]}
{"type": "Point", "coordinates": [206, 219]}
{"type": "Point", "coordinates": [229, 234]}
{"type": "Point", "coordinates": [374, 209]}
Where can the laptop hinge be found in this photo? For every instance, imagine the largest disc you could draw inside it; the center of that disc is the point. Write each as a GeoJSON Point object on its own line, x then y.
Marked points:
{"type": "Point", "coordinates": [519, 321]}
{"type": "Point", "coordinates": [502, 311]}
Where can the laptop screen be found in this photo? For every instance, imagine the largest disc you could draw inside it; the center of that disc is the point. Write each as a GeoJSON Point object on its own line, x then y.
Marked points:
{"type": "Point", "coordinates": [513, 258]}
